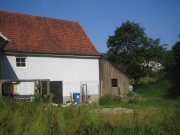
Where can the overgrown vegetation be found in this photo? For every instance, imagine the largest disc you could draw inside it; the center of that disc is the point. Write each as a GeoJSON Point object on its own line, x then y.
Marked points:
{"type": "Point", "coordinates": [172, 66]}
{"type": "Point", "coordinates": [134, 52]}
{"type": "Point", "coordinates": [153, 115]}
{"type": "Point", "coordinates": [138, 55]}
{"type": "Point", "coordinates": [29, 118]}
{"type": "Point", "coordinates": [158, 88]}
{"type": "Point", "coordinates": [154, 112]}
{"type": "Point", "coordinates": [106, 99]}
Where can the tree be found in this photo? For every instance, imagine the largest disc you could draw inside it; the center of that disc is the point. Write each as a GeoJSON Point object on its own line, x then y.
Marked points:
{"type": "Point", "coordinates": [131, 50]}
{"type": "Point", "coordinates": [173, 69]}
{"type": "Point", "coordinates": [176, 53]}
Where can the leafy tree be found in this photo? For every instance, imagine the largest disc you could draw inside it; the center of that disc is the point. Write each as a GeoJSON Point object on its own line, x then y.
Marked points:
{"type": "Point", "coordinates": [133, 51]}
{"type": "Point", "coordinates": [172, 59]}
{"type": "Point", "coordinates": [173, 68]}
{"type": "Point", "coordinates": [176, 53]}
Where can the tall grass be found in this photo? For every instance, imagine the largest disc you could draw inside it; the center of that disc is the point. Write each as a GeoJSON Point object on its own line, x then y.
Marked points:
{"type": "Point", "coordinates": [21, 117]}
{"type": "Point", "coordinates": [29, 118]}
{"type": "Point", "coordinates": [153, 115]}
{"type": "Point", "coordinates": [156, 88]}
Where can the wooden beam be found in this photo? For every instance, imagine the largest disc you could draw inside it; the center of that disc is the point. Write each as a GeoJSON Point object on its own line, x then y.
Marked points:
{"type": "Point", "coordinates": [40, 82]}
{"type": "Point", "coordinates": [48, 87]}
{"type": "Point", "coordinates": [25, 80]}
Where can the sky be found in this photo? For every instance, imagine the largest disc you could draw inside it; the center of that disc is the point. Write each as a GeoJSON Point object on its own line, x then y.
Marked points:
{"type": "Point", "coordinates": [100, 18]}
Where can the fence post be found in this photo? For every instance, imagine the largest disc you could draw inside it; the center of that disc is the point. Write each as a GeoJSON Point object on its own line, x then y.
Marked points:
{"type": "Point", "coordinates": [48, 87]}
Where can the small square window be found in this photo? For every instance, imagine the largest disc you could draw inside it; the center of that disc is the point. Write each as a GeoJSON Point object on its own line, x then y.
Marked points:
{"type": "Point", "coordinates": [18, 59]}
{"type": "Point", "coordinates": [114, 82]}
{"type": "Point", "coordinates": [20, 62]}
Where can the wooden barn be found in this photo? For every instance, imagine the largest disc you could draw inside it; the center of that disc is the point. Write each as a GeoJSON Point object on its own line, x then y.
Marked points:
{"type": "Point", "coordinates": [112, 80]}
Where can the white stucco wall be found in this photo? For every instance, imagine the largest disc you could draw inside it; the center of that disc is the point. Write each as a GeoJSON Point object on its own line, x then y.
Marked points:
{"type": "Point", "coordinates": [72, 71]}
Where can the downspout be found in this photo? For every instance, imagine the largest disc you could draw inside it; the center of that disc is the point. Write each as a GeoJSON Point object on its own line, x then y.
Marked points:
{"type": "Point", "coordinates": [100, 78]}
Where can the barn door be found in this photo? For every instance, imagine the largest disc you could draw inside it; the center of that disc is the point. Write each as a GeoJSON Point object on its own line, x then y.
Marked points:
{"type": "Point", "coordinates": [57, 90]}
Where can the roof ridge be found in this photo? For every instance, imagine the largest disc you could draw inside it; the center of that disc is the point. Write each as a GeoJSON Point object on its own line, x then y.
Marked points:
{"type": "Point", "coordinates": [30, 15]}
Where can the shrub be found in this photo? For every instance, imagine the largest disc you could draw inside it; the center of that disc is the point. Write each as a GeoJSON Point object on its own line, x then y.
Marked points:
{"type": "Point", "coordinates": [178, 108]}
{"type": "Point", "coordinates": [107, 98]}
{"type": "Point", "coordinates": [48, 97]}
{"type": "Point", "coordinates": [134, 100]}
{"type": "Point", "coordinates": [132, 96]}
{"type": "Point", "coordinates": [43, 98]}
{"type": "Point", "coordinates": [38, 98]}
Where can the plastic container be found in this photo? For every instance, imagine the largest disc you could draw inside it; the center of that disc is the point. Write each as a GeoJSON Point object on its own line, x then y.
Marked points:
{"type": "Point", "coordinates": [76, 97]}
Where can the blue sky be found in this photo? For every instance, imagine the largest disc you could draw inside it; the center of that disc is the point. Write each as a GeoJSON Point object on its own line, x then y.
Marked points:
{"type": "Point", "coordinates": [99, 18]}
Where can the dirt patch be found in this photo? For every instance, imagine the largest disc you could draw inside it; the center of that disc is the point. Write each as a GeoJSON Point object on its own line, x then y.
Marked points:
{"type": "Point", "coordinates": [115, 110]}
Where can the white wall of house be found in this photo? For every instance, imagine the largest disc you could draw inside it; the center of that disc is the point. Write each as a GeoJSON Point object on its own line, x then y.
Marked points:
{"type": "Point", "coordinates": [72, 71]}
{"type": "Point", "coordinates": [25, 88]}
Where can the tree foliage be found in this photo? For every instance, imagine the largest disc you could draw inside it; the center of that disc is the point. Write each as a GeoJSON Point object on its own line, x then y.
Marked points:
{"type": "Point", "coordinates": [133, 51]}
{"type": "Point", "coordinates": [176, 53]}
{"type": "Point", "coordinates": [173, 69]}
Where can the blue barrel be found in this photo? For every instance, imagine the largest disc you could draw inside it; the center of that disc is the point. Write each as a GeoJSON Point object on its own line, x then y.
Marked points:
{"type": "Point", "coordinates": [76, 97]}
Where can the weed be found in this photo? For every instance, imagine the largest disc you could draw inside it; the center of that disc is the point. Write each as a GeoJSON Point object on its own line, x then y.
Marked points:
{"type": "Point", "coordinates": [151, 116]}
{"type": "Point", "coordinates": [107, 99]}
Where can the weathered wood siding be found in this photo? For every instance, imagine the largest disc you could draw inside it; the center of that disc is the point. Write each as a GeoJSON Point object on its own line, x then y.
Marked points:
{"type": "Point", "coordinates": [108, 72]}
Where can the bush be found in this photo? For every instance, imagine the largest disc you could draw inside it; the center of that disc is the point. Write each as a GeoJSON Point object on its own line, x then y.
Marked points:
{"type": "Point", "coordinates": [48, 97]}
{"type": "Point", "coordinates": [107, 98]}
{"type": "Point", "coordinates": [178, 108]}
{"type": "Point", "coordinates": [132, 96]}
{"type": "Point", "coordinates": [134, 100]}
{"type": "Point", "coordinates": [104, 99]}
{"type": "Point", "coordinates": [38, 98]}
{"type": "Point", "coordinates": [43, 98]}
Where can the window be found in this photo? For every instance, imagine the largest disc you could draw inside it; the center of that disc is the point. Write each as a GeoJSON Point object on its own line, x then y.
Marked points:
{"type": "Point", "coordinates": [114, 82]}
{"type": "Point", "coordinates": [20, 62]}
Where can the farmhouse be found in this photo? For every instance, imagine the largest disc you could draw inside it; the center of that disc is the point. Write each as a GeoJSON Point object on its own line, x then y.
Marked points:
{"type": "Point", "coordinates": [42, 53]}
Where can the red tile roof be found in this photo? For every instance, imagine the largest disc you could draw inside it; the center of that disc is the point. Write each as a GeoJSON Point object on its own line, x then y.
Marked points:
{"type": "Point", "coordinates": [33, 34]}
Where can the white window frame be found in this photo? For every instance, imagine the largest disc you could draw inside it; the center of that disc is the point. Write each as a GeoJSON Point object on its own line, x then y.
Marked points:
{"type": "Point", "coordinates": [21, 62]}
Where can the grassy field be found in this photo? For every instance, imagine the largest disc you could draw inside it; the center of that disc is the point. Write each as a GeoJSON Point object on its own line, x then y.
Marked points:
{"type": "Point", "coordinates": [153, 115]}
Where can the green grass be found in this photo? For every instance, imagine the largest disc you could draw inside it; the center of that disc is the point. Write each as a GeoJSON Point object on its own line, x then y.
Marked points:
{"type": "Point", "coordinates": [153, 93]}
{"type": "Point", "coordinates": [28, 118]}
{"type": "Point", "coordinates": [155, 89]}
{"type": "Point", "coordinates": [141, 104]}
{"type": "Point", "coordinates": [153, 115]}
